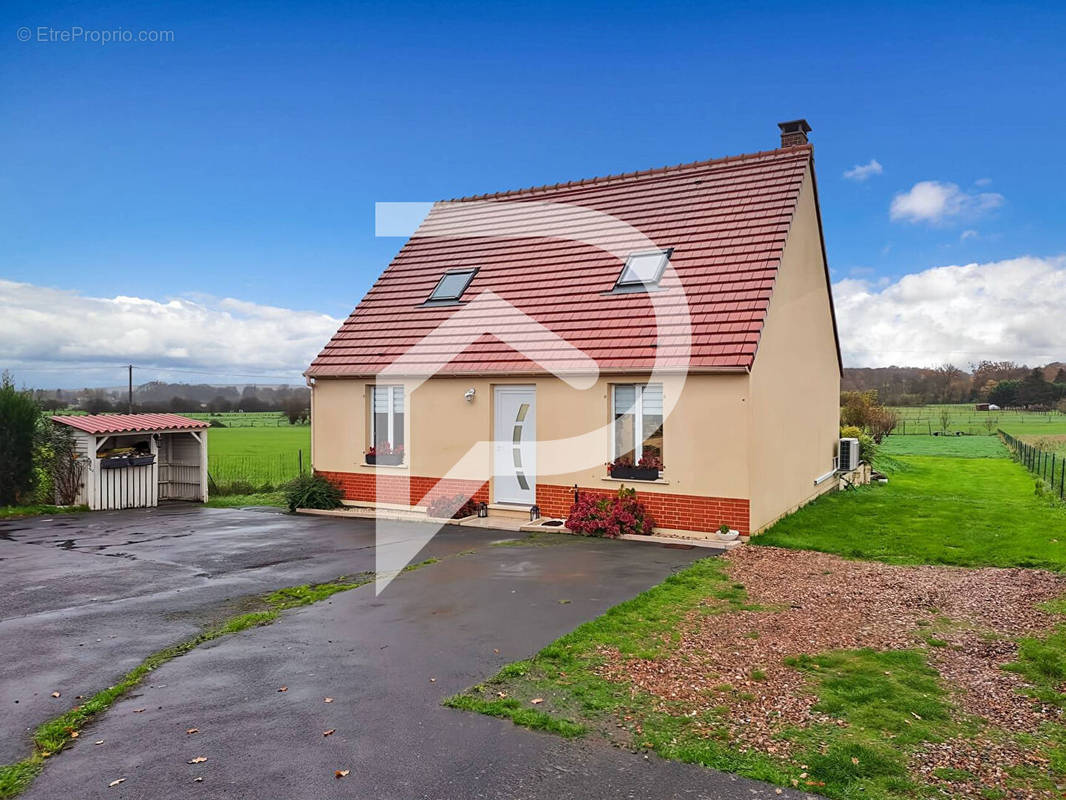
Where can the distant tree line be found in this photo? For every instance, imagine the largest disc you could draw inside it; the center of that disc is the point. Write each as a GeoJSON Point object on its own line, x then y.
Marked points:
{"type": "Point", "coordinates": [160, 397]}
{"type": "Point", "coordinates": [1005, 383]}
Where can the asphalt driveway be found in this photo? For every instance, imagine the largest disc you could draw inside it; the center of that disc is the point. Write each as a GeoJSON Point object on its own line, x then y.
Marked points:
{"type": "Point", "coordinates": [84, 598]}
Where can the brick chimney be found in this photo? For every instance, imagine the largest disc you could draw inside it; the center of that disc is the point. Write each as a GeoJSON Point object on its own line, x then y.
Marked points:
{"type": "Point", "coordinates": [794, 132]}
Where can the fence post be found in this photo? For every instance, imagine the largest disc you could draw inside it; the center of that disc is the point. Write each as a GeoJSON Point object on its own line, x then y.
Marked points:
{"type": "Point", "coordinates": [300, 460]}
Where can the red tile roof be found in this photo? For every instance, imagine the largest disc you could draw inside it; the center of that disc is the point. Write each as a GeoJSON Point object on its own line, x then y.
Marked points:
{"type": "Point", "coordinates": [726, 220]}
{"type": "Point", "coordinates": [129, 423]}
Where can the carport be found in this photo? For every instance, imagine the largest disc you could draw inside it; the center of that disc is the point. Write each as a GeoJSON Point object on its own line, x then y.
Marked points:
{"type": "Point", "coordinates": [136, 460]}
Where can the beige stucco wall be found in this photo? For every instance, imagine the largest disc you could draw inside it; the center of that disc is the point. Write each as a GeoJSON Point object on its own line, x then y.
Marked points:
{"type": "Point", "coordinates": [795, 381]}
{"type": "Point", "coordinates": [705, 436]}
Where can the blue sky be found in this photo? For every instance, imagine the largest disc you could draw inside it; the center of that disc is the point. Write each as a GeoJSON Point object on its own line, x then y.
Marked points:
{"type": "Point", "coordinates": [242, 159]}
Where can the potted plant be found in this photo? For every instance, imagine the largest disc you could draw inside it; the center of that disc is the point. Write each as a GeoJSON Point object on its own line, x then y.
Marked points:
{"type": "Point", "coordinates": [385, 453]}
{"type": "Point", "coordinates": [727, 534]}
{"type": "Point", "coordinates": [647, 469]}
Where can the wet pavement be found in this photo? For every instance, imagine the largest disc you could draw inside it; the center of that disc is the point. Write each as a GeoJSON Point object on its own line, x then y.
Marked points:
{"type": "Point", "coordinates": [84, 598]}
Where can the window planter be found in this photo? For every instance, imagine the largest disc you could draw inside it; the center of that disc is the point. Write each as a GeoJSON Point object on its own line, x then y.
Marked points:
{"type": "Point", "coordinates": [390, 459]}
{"type": "Point", "coordinates": [635, 473]}
{"type": "Point", "coordinates": [121, 462]}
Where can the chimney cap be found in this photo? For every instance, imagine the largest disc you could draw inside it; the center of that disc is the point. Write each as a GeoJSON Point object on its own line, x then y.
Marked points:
{"type": "Point", "coordinates": [794, 126]}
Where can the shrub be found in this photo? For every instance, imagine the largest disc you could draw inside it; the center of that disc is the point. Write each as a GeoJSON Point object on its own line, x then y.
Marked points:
{"type": "Point", "coordinates": [451, 507]}
{"type": "Point", "coordinates": [19, 419]}
{"type": "Point", "coordinates": [312, 491]}
{"type": "Point", "coordinates": [63, 464]}
{"type": "Point", "coordinates": [610, 516]}
{"type": "Point", "coordinates": [217, 423]}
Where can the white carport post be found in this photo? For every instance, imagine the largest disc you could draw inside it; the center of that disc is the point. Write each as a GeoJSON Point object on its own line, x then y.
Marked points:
{"type": "Point", "coordinates": [201, 437]}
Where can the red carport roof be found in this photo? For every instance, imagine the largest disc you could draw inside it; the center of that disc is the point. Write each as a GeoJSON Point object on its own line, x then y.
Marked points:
{"type": "Point", "coordinates": [129, 423]}
{"type": "Point", "coordinates": [726, 221]}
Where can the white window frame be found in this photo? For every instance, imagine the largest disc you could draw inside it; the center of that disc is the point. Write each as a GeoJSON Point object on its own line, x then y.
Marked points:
{"type": "Point", "coordinates": [638, 423]}
{"type": "Point", "coordinates": [392, 389]}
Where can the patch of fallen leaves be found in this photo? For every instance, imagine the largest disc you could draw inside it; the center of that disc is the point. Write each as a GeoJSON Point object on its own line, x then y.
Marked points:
{"type": "Point", "coordinates": [822, 602]}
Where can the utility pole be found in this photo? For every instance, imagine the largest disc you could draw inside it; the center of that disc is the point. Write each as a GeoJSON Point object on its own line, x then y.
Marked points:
{"type": "Point", "coordinates": [131, 390]}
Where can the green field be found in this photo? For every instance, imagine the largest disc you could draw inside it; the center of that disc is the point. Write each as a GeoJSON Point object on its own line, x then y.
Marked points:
{"type": "Point", "coordinates": [953, 446]}
{"type": "Point", "coordinates": [259, 441]}
{"type": "Point", "coordinates": [964, 417]}
{"type": "Point", "coordinates": [259, 455]}
{"type": "Point", "coordinates": [243, 419]}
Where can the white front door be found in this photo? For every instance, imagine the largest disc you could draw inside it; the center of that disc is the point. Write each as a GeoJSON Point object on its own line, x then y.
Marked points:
{"type": "Point", "coordinates": [514, 447]}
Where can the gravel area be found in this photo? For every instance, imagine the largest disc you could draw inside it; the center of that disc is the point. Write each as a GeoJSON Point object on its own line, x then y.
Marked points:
{"type": "Point", "coordinates": [816, 603]}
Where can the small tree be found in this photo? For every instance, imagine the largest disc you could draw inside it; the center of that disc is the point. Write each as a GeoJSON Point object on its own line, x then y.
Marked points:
{"type": "Point", "coordinates": [945, 420]}
{"type": "Point", "coordinates": [19, 418]}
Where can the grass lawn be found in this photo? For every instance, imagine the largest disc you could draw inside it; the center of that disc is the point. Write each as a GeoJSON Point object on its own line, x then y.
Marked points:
{"type": "Point", "coordinates": [935, 510]}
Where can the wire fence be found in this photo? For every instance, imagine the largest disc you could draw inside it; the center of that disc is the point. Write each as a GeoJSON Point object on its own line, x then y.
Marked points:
{"type": "Point", "coordinates": [233, 474]}
{"type": "Point", "coordinates": [1049, 466]}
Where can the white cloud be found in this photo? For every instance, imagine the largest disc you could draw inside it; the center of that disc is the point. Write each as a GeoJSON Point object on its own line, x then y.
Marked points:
{"type": "Point", "coordinates": [47, 328]}
{"type": "Point", "coordinates": [933, 201]}
{"type": "Point", "coordinates": [958, 314]}
{"type": "Point", "coordinates": [861, 172]}
{"type": "Point", "coordinates": [968, 234]}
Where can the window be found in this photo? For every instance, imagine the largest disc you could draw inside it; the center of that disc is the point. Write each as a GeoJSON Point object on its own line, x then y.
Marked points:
{"type": "Point", "coordinates": [638, 419]}
{"type": "Point", "coordinates": [643, 270]}
{"type": "Point", "coordinates": [386, 416]}
{"type": "Point", "coordinates": [451, 285]}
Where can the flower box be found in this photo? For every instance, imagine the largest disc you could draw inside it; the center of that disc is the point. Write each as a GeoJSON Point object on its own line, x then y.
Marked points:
{"type": "Point", "coordinates": [122, 462]}
{"type": "Point", "coordinates": [384, 459]}
{"type": "Point", "coordinates": [634, 473]}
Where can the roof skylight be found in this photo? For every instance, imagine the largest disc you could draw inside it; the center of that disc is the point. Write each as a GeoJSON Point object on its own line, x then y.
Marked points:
{"type": "Point", "coordinates": [644, 269]}
{"type": "Point", "coordinates": [451, 285]}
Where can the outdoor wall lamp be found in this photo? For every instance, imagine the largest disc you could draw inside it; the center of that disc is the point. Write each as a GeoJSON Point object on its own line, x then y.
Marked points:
{"type": "Point", "coordinates": [470, 395]}
{"type": "Point", "coordinates": [482, 509]}
{"type": "Point", "coordinates": [534, 513]}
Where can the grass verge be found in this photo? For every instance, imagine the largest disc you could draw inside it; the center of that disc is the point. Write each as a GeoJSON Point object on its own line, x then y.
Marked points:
{"type": "Point", "coordinates": [15, 512]}
{"type": "Point", "coordinates": [52, 736]}
{"type": "Point", "coordinates": [241, 500]}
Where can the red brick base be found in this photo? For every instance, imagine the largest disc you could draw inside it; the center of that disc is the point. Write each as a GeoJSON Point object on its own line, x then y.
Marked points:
{"type": "Point", "coordinates": [396, 489]}
{"type": "Point", "coordinates": [679, 511]}
{"type": "Point", "coordinates": [683, 512]}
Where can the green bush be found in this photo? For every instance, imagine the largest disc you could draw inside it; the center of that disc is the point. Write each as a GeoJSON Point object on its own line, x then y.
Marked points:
{"type": "Point", "coordinates": [312, 491]}
{"type": "Point", "coordinates": [19, 420]}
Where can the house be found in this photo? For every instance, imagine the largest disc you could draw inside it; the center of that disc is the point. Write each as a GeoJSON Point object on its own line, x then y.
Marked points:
{"type": "Point", "coordinates": [136, 460]}
{"type": "Point", "coordinates": [522, 341]}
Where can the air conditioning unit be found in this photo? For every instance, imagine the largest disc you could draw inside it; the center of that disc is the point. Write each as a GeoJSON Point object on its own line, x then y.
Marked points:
{"type": "Point", "coordinates": [849, 454]}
